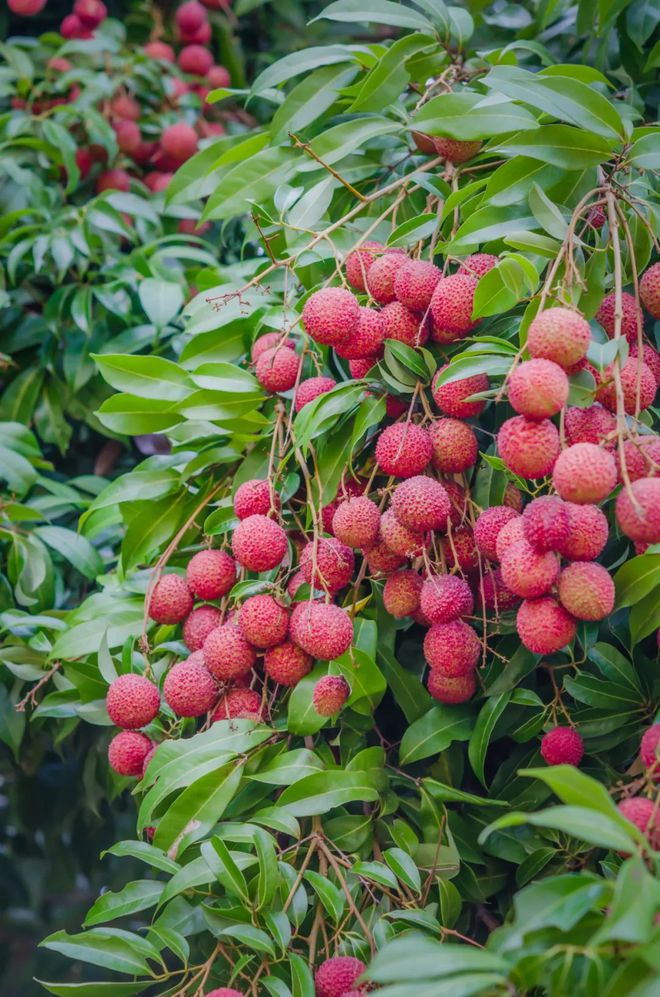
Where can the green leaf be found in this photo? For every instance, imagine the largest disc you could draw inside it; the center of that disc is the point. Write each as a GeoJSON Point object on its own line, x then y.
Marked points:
{"type": "Point", "coordinates": [223, 867]}
{"type": "Point", "coordinates": [470, 116]}
{"type": "Point", "coordinates": [161, 300]}
{"type": "Point", "coordinates": [132, 415]}
{"type": "Point", "coordinates": [645, 151]}
{"type": "Point", "coordinates": [136, 896]}
{"type": "Point", "coordinates": [74, 547]}
{"type": "Point", "coordinates": [148, 377]}
{"type": "Point", "coordinates": [287, 768]}
{"type": "Point", "coordinates": [644, 617]}
{"type": "Point", "coordinates": [199, 806]}
{"type": "Point", "coordinates": [301, 62]}
{"type": "Point", "coordinates": [105, 989]}
{"type": "Point", "coordinates": [310, 99]}
{"type": "Point", "coordinates": [336, 143]}
{"type": "Point", "coordinates": [489, 714]}
{"type": "Point", "coordinates": [576, 821]}
{"type": "Point", "coordinates": [330, 895]}
{"type": "Point", "coordinates": [435, 731]}
{"type": "Point", "coordinates": [323, 791]}
{"type": "Point", "coordinates": [561, 145]}
{"type": "Point", "coordinates": [409, 694]}
{"type": "Point", "coordinates": [254, 180]}
{"type": "Point", "coordinates": [111, 948]}
{"type": "Point", "coordinates": [389, 77]}
{"type": "Point", "coordinates": [375, 12]}
{"type": "Point", "coordinates": [404, 868]}
{"type": "Point", "coordinates": [419, 958]}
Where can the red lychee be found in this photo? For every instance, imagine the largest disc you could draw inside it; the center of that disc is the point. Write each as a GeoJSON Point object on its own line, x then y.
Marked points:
{"type": "Point", "coordinates": [267, 342]}
{"type": "Point", "coordinates": [227, 654]}
{"type": "Point", "coordinates": [287, 663]}
{"type": "Point", "coordinates": [445, 598]}
{"type": "Point", "coordinates": [528, 448]}
{"type": "Point", "coordinates": [494, 594]}
{"type": "Point", "coordinates": [263, 622]}
{"type": "Point", "coordinates": [631, 314]}
{"type": "Point", "coordinates": [650, 357]}
{"type": "Point", "coordinates": [277, 369]}
{"type": "Point", "coordinates": [179, 141]}
{"type": "Point", "coordinates": [190, 16]}
{"type": "Point", "coordinates": [453, 648]}
{"type": "Point", "coordinates": [322, 629]}
{"type": "Point", "coordinates": [450, 398]}
{"type": "Point", "coordinates": [638, 386]}
{"type": "Point", "coordinates": [366, 343]}
{"type": "Point", "coordinates": [451, 690]}
{"type": "Point", "coordinates": [331, 315]}
{"type": "Point", "coordinates": [399, 538]}
{"type": "Point", "coordinates": [401, 593]}
{"type": "Point", "coordinates": [459, 549]}
{"type": "Point", "coordinates": [360, 368]}
{"type": "Point", "coordinates": [458, 499]}
{"type": "Point", "coordinates": [312, 388]}
{"type": "Point", "coordinates": [189, 689]}
{"type": "Point", "coordinates": [255, 498]}
{"type": "Point", "coordinates": [584, 474]}
{"type": "Point", "coordinates": [26, 8]}
{"type": "Point", "coordinates": [90, 12]}
{"type": "Point", "coordinates": [114, 179]}
{"type": "Point", "coordinates": [560, 335]}
{"type": "Point", "coordinates": [381, 560]}
{"type": "Point", "coordinates": [546, 522]}
{"type": "Point", "coordinates": [638, 515]}
{"type": "Point", "coordinates": [196, 60]}
{"type": "Point", "coordinates": [359, 261]}
{"type": "Point", "coordinates": [512, 497]}
{"type": "Point", "coordinates": [586, 590]}
{"type": "Point", "coordinates": [157, 181]}
{"type": "Point", "coordinates": [258, 543]}
{"type": "Point", "coordinates": [588, 425]}
{"type": "Point", "coordinates": [538, 389]}
{"type": "Point", "coordinates": [381, 275]}
{"type": "Point", "coordinates": [224, 991]}
{"type": "Point", "coordinates": [403, 325]}
{"type": "Point", "coordinates": [211, 574]}
{"type": "Point", "coordinates": [330, 694]}
{"type": "Point", "coordinates": [199, 625]}
{"type": "Point", "coordinates": [455, 150]}
{"type": "Point", "coordinates": [645, 815]}
{"type": "Point", "coordinates": [509, 534]}
{"type": "Point", "coordinates": [160, 50]}
{"type": "Point", "coordinates": [421, 503]}
{"type": "Point", "coordinates": [527, 572]}
{"type": "Point", "coordinates": [335, 563]}
{"type": "Point", "coordinates": [72, 27]}
{"type": "Point", "coordinates": [394, 406]}
{"type": "Point", "coordinates": [454, 445]}
{"type": "Point", "coordinates": [562, 746]}
{"type": "Point", "coordinates": [587, 532]}
{"type": "Point", "coordinates": [239, 704]}
{"type": "Point", "coordinates": [337, 975]}
{"type": "Point", "coordinates": [171, 600]}
{"type": "Point", "coordinates": [415, 283]}
{"type": "Point", "coordinates": [132, 701]}
{"type": "Point", "coordinates": [478, 264]}
{"type": "Point", "coordinates": [127, 752]}
{"type": "Point", "coordinates": [403, 450]}
{"type": "Point", "coordinates": [649, 748]}
{"type": "Point", "coordinates": [488, 526]}
{"type": "Point", "coordinates": [356, 522]}
{"type": "Point", "coordinates": [125, 107]}
{"type": "Point", "coordinates": [649, 290]}
{"type": "Point", "coordinates": [451, 307]}
{"type": "Point", "coordinates": [544, 626]}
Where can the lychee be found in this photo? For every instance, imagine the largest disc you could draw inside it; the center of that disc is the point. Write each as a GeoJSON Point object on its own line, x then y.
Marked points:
{"type": "Point", "coordinates": [366, 343]}
{"type": "Point", "coordinates": [488, 526]}
{"type": "Point", "coordinates": [189, 689]}
{"type": "Point", "coordinates": [287, 664]}
{"type": "Point", "coordinates": [127, 752]}
{"type": "Point", "coordinates": [403, 325]}
{"type": "Point", "coordinates": [454, 445]}
{"type": "Point", "coordinates": [399, 538]}
{"type": "Point", "coordinates": [90, 12]}
{"type": "Point", "coordinates": [638, 514]}
{"type": "Point", "coordinates": [560, 335]}
{"type": "Point", "coordinates": [451, 690]}
{"type": "Point", "coordinates": [277, 369]}
{"type": "Point", "coordinates": [546, 522]}
{"type": "Point", "coordinates": [360, 368]}
{"type": "Point", "coordinates": [544, 626]}
{"type": "Point", "coordinates": [381, 275]}
{"type": "Point", "coordinates": [586, 590]}
{"type": "Point", "coordinates": [403, 450]}
{"type": "Point", "coordinates": [451, 307]}
{"type": "Point", "coordinates": [455, 150]}
{"type": "Point", "coordinates": [451, 398]}
{"type": "Point", "coordinates": [650, 357]}
{"type": "Point", "coordinates": [588, 425]}
{"type": "Point", "coordinates": [445, 598]}
{"type": "Point", "coordinates": [421, 503]}
{"type": "Point", "coordinates": [263, 621]}
{"type": "Point", "coordinates": [224, 992]}
{"type": "Point", "coordinates": [512, 497]}
{"type": "Point", "coordinates": [132, 701]}
{"type": "Point", "coordinates": [453, 648]}
{"type": "Point", "coordinates": [356, 522]}
{"type": "Point", "coordinates": [415, 283]}
{"type": "Point", "coordinates": [327, 564]}
{"type": "Point", "coordinates": [401, 593]}
{"type": "Point", "coordinates": [114, 179]}
{"type": "Point", "coordinates": [527, 572]}
{"type": "Point", "coordinates": [255, 498]}
{"type": "Point", "coordinates": [458, 500]}
{"type": "Point", "coordinates": [337, 975]}
{"type": "Point", "coordinates": [160, 50]}
{"type": "Point", "coordinates": [631, 315]}
{"type": "Point", "coordinates": [322, 629]}
{"type": "Point", "coordinates": [459, 549]}
{"type": "Point", "coordinates": [478, 264]}
{"type": "Point", "coordinates": [649, 290]}
{"type": "Point", "coordinates": [394, 406]}
{"type": "Point", "coordinates": [330, 694]}
{"type": "Point", "coordinates": [312, 388]}
{"type": "Point", "coordinates": [211, 574]}
{"type": "Point", "coordinates": [538, 389]}
{"type": "Point", "coordinates": [199, 625]}
{"type": "Point", "coordinates": [508, 535]}
{"type": "Point", "coordinates": [227, 654]}
{"type": "Point", "coordinates": [494, 594]}
{"type": "Point", "coordinates": [358, 262]}
{"type": "Point", "coordinates": [381, 560]}
{"type": "Point", "coordinates": [258, 543]}
{"type": "Point", "coordinates": [645, 815]}
{"type": "Point", "coordinates": [331, 315]}
{"type": "Point", "coordinates": [238, 704]}
{"type": "Point", "coordinates": [196, 60]}
{"type": "Point", "coordinates": [638, 386]}
{"type": "Point", "coordinates": [179, 141]}
{"type": "Point", "coordinates": [584, 474]}
{"type": "Point", "coordinates": [562, 746]}
{"type": "Point", "coordinates": [72, 27]}
{"type": "Point", "coordinates": [649, 748]}
{"type": "Point", "coordinates": [528, 448]}
{"type": "Point", "coordinates": [587, 532]}
{"type": "Point", "coordinates": [267, 342]}
{"type": "Point", "coordinates": [171, 600]}
{"type": "Point", "coordinates": [190, 16]}
{"type": "Point", "coordinates": [26, 8]}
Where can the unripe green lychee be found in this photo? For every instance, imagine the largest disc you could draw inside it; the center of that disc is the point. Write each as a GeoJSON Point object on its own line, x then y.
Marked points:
{"type": "Point", "coordinates": [584, 474]}
{"type": "Point", "coordinates": [132, 701]}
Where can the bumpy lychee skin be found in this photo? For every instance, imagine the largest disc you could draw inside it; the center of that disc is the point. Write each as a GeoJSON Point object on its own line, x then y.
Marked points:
{"type": "Point", "coordinates": [268, 342]}
{"type": "Point", "coordinates": [451, 690]}
{"type": "Point", "coordinates": [199, 625]}
{"type": "Point", "coordinates": [538, 389]}
{"type": "Point", "coordinates": [631, 314]}
{"type": "Point", "coordinates": [211, 574]}
{"type": "Point", "coordinates": [460, 550]}
{"type": "Point", "coordinates": [584, 474]}
{"type": "Point", "coordinates": [366, 343]}
{"type": "Point", "coordinates": [453, 648]}
{"type": "Point", "coordinates": [224, 992]}
{"type": "Point", "coordinates": [399, 538]}
{"type": "Point", "coordinates": [458, 499]}
{"type": "Point", "coordinates": [190, 16]}
{"type": "Point", "coordinates": [258, 543]}
{"type": "Point", "coordinates": [189, 689]}
{"type": "Point", "coordinates": [528, 448]}
{"type": "Point", "coordinates": [562, 746]}
{"type": "Point", "coordinates": [404, 325]}
{"type": "Point", "coordinates": [634, 374]}
{"type": "Point", "coordinates": [494, 594]}
{"type": "Point", "coordinates": [127, 752]}
{"type": "Point", "coordinates": [287, 664]}
{"type": "Point", "coordinates": [171, 600]}
{"type": "Point", "coordinates": [454, 150]}
{"type": "Point", "coordinates": [649, 290]}
{"type": "Point", "coordinates": [322, 629]}
{"type": "Point", "coordinates": [560, 335]}
{"type": "Point", "coordinates": [277, 369]}
{"type": "Point", "coordinates": [544, 626]}
{"type": "Point", "coordinates": [253, 498]}
{"type": "Point", "coordinates": [403, 450]}
{"type": "Point", "coordinates": [450, 398]}
{"type": "Point", "coordinates": [421, 504]}
{"type": "Point", "coordinates": [415, 283]}
{"type": "Point", "coordinates": [588, 425]}
{"type": "Point", "coordinates": [586, 590]}
{"type": "Point", "coordinates": [330, 694]}
{"type": "Point", "coordinates": [335, 563]}
{"type": "Point", "coordinates": [311, 389]}
{"type": "Point", "coordinates": [638, 515]}
{"type": "Point", "coordinates": [360, 368]}
{"type": "Point", "coordinates": [488, 526]}
{"type": "Point", "coordinates": [356, 522]}
{"type": "Point", "coordinates": [381, 274]}
{"type": "Point", "coordinates": [478, 264]}
{"type": "Point", "coordinates": [644, 814]}
{"type": "Point", "coordinates": [546, 522]}
{"type": "Point", "coordinates": [263, 622]}
{"type": "Point", "coordinates": [401, 593]}
{"type": "Point", "coordinates": [527, 572]}
{"type": "Point", "coordinates": [587, 533]}
{"type": "Point", "coordinates": [337, 975]}
{"type": "Point", "coordinates": [239, 704]}
{"type": "Point", "coordinates": [509, 534]}
{"type": "Point", "coordinates": [179, 141]}
{"type": "Point", "coordinates": [451, 307]}
{"type": "Point", "coordinates": [445, 598]}
{"type": "Point", "coordinates": [649, 748]}
{"type": "Point", "coordinates": [359, 261]}
{"type": "Point", "coordinates": [650, 357]}
{"type": "Point", "coordinates": [195, 59]}
{"type": "Point", "coordinates": [227, 654]}
{"type": "Point", "coordinates": [132, 701]}
{"type": "Point", "coordinates": [331, 315]}
{"type": "Point", "coordinates": [454, 445]}
{"type": "Point", "coordinates": [381, 560]}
